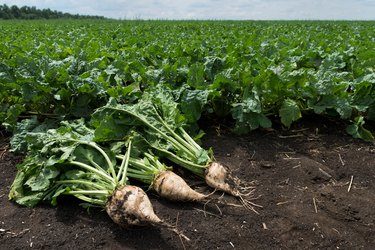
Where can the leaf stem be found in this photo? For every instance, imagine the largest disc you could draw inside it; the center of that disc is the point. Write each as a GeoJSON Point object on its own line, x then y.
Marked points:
{"type": "Point", "coordinates": [110, 165]}
{"type": "Point", "coordinates": [195, 168]}
{"type": "Point", "coordinates": [89, 192]}
{"type": "Point", "coordinates": [175, 142]}
{"type": "Point", "coordinates": [124, 165]}
{"type": "Point", "coordinates": [189, 139]}
{"type": "Point", "coordinates": [84, 182]}
{"type": "Point", "coordinates": [189, 147]}
{"type": "Point", "coordinates": [104, 175]}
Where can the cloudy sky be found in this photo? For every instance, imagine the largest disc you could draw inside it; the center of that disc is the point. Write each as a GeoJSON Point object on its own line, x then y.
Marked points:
{"type": "Point", "coordinates": [211, 9]}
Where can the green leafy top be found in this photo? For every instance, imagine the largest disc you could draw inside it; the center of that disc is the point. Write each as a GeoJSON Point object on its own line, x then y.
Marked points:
{"type": "Point", "coordinates": [65, 161]}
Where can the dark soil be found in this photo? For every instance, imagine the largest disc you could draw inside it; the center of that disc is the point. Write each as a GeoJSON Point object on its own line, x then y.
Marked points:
{"type": "Point", "coordinates": [316, 185]}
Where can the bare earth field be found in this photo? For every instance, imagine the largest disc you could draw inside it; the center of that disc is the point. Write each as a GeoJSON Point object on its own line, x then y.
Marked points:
{"type": "Point", "coordinates": [316, 185]}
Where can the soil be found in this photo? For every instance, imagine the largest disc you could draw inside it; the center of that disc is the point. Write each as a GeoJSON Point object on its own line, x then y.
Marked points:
{"type": "Point", "coordinates": [316, 185]}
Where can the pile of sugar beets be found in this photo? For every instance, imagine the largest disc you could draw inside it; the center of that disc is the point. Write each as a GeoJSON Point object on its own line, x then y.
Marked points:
{"type": "Point", "coordinates": [98, 161]}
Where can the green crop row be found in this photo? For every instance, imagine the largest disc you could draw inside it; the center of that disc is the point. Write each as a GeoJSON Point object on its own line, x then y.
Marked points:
{"type": "Point", "coordinates": [255, 72]}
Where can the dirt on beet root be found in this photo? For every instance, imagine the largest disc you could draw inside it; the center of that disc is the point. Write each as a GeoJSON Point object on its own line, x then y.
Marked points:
{"type": "Point", "coordinates": [316, 186]}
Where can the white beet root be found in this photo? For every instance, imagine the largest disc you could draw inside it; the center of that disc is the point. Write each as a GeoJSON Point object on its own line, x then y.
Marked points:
{"type": "Point", "coordinates": [172, 187]}
{"type": "Point", "coordinates": [220, 178]}
{"type": "Point", "coordinates": [130, 206]}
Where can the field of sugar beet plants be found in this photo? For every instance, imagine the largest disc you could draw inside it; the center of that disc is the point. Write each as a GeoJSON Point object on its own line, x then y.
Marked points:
{"type": "Point", "coordinates": [115, 134]}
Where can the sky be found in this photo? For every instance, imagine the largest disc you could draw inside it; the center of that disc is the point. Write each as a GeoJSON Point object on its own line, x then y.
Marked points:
{"type": "Point", "coordinates": [211, 9]}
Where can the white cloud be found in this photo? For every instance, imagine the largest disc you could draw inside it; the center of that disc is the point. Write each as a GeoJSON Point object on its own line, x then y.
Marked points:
{"type": "Point", "coordinates": [211, 9]}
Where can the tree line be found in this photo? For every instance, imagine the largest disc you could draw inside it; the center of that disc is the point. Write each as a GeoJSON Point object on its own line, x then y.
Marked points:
{"type": "Point", "coordinates": [29, 13]}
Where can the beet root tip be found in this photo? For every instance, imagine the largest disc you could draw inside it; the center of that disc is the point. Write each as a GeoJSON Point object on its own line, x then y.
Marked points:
{"type": "Point", "coordinates": [220, 178]}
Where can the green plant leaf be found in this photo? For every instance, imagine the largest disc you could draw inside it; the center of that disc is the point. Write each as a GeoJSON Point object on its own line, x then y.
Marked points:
{"type": "Point", "coordinates": [289, 112]}
{"type": "Point", "coordinates": [358, 131]}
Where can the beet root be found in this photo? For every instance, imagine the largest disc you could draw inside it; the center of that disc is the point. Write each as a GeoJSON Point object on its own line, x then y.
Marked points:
{"type": "Point", "coordinates": [172, 187]}
{"type": "Point", "coordinates": [220, 178]}
{"type": "Point", "coordinates": [130, 206]}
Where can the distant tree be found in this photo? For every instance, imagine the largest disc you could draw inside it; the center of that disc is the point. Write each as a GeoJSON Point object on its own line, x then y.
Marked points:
{"type": "Point", "coordinates": [15, 11]}
{"type": "Point", "coordinates": [25, 12]}
{"type": "Point", "coordinates": [5, 12]}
